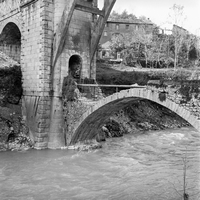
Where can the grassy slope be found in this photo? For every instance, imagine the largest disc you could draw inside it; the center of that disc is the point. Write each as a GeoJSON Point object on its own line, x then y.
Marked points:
{"type": "Point", "coordinates": [124, 75]}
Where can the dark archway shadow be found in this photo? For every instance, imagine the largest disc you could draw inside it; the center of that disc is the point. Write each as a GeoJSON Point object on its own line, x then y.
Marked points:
{"type": "Point", "coordinates": [75, 66]}
{"type": "Point", "coordinates": [10, 41]}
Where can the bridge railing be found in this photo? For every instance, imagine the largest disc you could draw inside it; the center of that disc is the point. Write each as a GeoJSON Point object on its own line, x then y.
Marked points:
{"type": "Point", "coordinates": [95, 92]}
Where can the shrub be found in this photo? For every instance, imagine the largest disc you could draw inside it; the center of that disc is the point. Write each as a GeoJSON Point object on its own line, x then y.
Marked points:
{"type": "Point", "coordinates": [11, 84]}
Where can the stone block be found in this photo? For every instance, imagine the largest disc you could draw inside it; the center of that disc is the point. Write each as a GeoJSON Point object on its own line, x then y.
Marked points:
{"type": "Point", "coordinates": [41, 135]}
{"type": "Point", "coordinates": [38, 139]}
{"type": "Point", "coordinates": [41, 145]}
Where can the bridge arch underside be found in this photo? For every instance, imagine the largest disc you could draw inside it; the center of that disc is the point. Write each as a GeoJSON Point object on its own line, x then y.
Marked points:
{"type": "Point", "coordinates": [87, 128]}
{"type": "Point", "coordinates": [10, 41]}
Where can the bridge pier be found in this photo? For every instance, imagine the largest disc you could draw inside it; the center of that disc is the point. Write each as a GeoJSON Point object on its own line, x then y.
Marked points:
{"type": "Point", "coordinates": [56, 132]}
{"type": "Point", "coordinates": [36, 111]}
{"type": "Point", "coordinates": [51, 33]}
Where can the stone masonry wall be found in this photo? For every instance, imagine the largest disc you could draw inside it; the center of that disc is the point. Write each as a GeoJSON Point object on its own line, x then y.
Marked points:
{"type": "Point", "coordinates": [37, 34]}
{"type": "Point", "coordinates": [42, 86]}
{"type": "Point", "coordinates": [30, 60]}
{"type": "Point", "coordinates": [78, 40]}
{"type": "Point", "coordinates": [174, 94]}
{"type": "Point", "coordinates": [77, 43]}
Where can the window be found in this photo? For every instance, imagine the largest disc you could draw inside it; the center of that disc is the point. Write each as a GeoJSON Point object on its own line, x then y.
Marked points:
{"type": "Point", "coordinates": [105, 33]}
{"type": "Point", "coordinates": [117, 27]}
{"type": "Point", "coordinates": [127, 26]}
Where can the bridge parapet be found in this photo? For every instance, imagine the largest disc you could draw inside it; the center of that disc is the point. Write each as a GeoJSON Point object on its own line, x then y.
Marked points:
{"type": "Point", "coordinates": [185, 96]}
{"type": "Point", "coordinates": [190, 100]}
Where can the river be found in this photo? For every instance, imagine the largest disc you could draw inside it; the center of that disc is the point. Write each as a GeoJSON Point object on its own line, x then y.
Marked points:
{"type": "Point", "coordinates": [140, 166]}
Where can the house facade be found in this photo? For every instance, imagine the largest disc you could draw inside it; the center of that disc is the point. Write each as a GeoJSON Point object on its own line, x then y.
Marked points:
{"type": "Point", "coordinates": [119, 27]}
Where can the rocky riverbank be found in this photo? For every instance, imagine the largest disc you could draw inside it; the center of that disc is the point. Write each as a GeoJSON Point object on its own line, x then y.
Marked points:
{"type": "Point", "coordinates": [14, 135]}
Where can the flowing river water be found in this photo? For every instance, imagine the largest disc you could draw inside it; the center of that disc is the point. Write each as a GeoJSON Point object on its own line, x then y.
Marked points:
{"type": "Point", "coordinates": [140, 166]}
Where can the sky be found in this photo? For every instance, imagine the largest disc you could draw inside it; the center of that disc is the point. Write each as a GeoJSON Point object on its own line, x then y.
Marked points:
{"type": "Point", "coordinates": [158, 11]}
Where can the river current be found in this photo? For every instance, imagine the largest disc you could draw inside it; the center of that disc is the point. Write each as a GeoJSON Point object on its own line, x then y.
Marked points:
{"type": "Point", "coordinates": [142, 166]}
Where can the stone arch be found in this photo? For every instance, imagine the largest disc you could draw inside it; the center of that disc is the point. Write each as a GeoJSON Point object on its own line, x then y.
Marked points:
{"type": "Point", "coordinates": [75, 66]}
{"type": "Point", "coordinates": [99, 112]}
{"type": "Point", "coordinates": [17, 22]}
{"type": "Point", "coordinates": [10, 40]}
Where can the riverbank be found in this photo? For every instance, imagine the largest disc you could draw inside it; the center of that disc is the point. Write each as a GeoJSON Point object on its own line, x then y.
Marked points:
{"type": "Point", "coordinates": [14, 134]}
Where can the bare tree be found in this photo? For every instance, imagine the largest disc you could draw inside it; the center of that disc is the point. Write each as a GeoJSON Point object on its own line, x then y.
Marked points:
{"type": "Point", "coordinates": [177, 18]}
{"type": "Point", "coordinates": [177, 15]}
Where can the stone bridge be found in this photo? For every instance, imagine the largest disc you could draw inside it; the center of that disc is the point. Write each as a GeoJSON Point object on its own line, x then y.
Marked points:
{"type": "Point", "coordinates": [95, 115]}
{"type": "Point", "coordinates": [49, 39]}
{"type": "Point", "coordinates": [55, 40]}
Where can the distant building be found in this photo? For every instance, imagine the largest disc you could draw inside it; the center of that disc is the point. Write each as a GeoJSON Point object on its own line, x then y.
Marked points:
{"type": "Point", "coordinates": [164, 31]}
{"type": "Point", "coordinates": [119, 27]}
{"type": "Point", "coordinates": [179, 30]}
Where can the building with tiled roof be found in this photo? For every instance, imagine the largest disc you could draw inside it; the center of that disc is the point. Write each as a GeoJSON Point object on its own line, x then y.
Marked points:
{"type": "Point", "coordinates": [115, 27]}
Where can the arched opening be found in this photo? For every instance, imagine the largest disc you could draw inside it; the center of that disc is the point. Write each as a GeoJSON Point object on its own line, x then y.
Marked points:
{"type": "Point", "coordinates": [75, 65]}
{"type": "Point", "coordinates": [97, 114]}
{"type": "Point", "coordinates": [10, 41]}
{"type": "Point", "coordinates": [141, 114]}
{"type": "Point", "coordinates": [10, 48]}
{"type": "Point", "coordinates": [11, 86]}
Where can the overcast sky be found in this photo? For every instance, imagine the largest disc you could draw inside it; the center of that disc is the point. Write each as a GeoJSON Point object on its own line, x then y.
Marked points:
{"type": "Point", "coordinates": [158, 10]}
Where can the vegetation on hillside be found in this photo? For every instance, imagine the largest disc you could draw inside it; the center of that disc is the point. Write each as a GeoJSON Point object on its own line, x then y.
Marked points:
{"type": "Point", "coordinates": [111, 74]}
{"type": "Point", "coordinates": [155, 49]}
{"type": "Point", "coordinates": [10, 85]}
{"type": "Point", "coordinates": [13, 131]}
{"type": "Point", "coordinates": [127, 16]}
